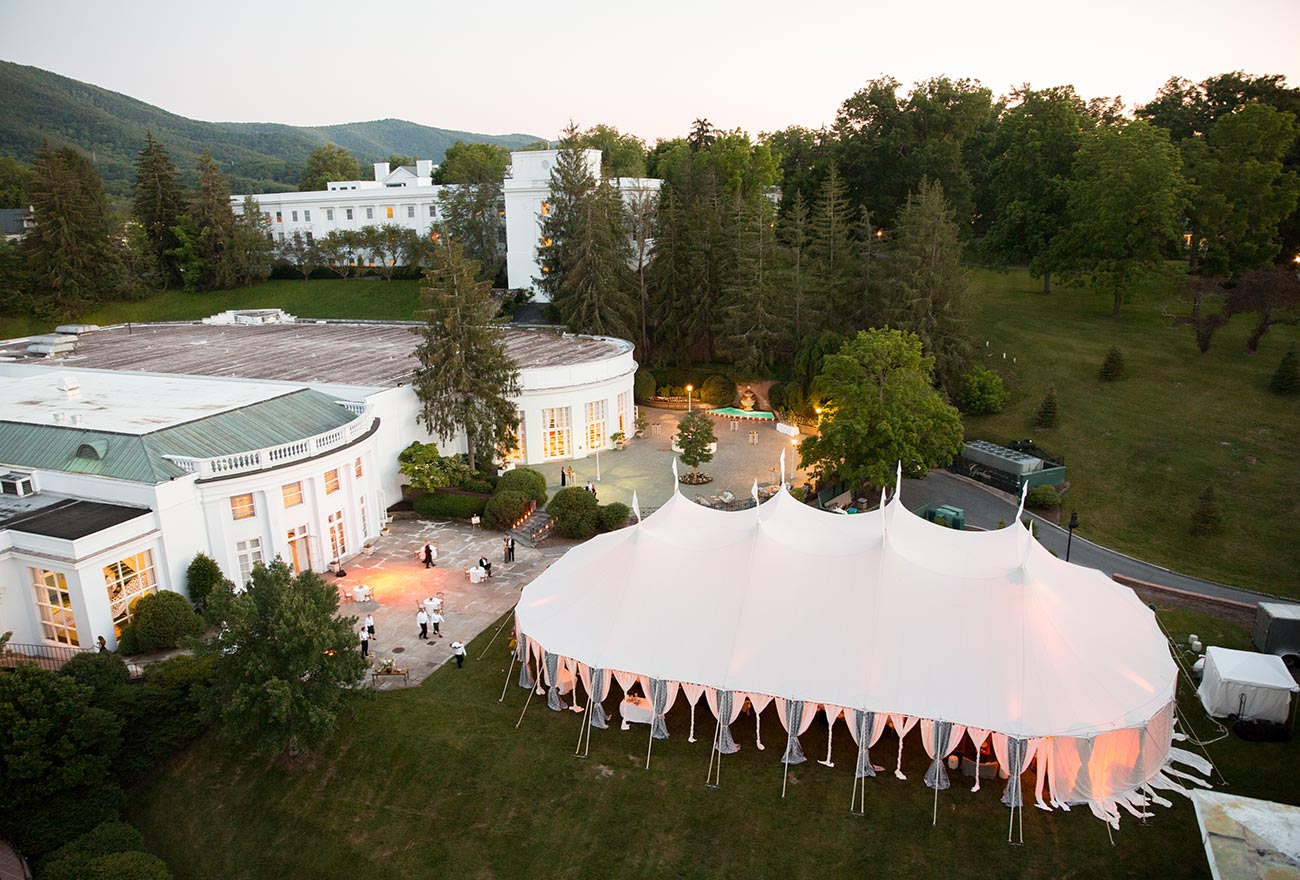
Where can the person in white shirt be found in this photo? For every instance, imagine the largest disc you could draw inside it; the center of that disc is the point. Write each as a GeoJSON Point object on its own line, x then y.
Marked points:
{"type": "Point", "coordinates": [370, 625]}
{"type": "Point", "coordinates": [458, 651]}
{"type": "Point", "coordinates": [437, 620]}
{"type": "Point", "coordinates": [431, 605]}
{"type": "Point", "coordinates": [365, 642]}
{"type": "Point", "coordinates": [422, 618]}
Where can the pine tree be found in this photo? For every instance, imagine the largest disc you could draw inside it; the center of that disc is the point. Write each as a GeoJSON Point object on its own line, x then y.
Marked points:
{"type": "Point", "coordinates": [252, 248]}
{"type": "Point", "coordinates": [756, 336]}
{"type": "Point", "coordinates": [74, 254]}
{"type": "Point", "coordinates": [213, 226]}
{"type": "Point", "coordinates": [595, 294]}
{"type": "Point", "coordinates": [465, 381]}
{"type": "Point", "coordinates": [571, 184]}
{"type": "Point", "coordinates": [794, 239]}
{"type": "Point", "coordinates": [1287, 378]}
{"type": "Point", "coordinates": [158, 201]}
{"type": "Point", "coordinates": [1112, 369]}
{"type": "Point", "coordinates": [1047, 411]}
{"type": "Point", "coordinates": [1207, 519]}
{"type": "Point", "coordinates": [830, 248]}
{"type": "Point", "coordinates": [669, 276]}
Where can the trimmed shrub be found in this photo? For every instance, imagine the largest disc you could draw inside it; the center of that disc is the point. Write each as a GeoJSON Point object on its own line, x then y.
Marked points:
{"type": "Point", "coordinates": [478, 484]}
{"type": "Point", "coordinates": [525, 481]}
{"type": "Point", "coordinates": [70, 860]}
{"type": "Point", "coordinates": [613, 516]}
{"type": "Point", "coordinates": [794, 400]}
{"type": "Point", "coordinates": [980, 393]}
{"type": "Point", "coordinates": [504, 509]}
{"type": "Point", "coordinates": [1048, 414]}
{"type": "Point", "coordinates": [1042, 498]}
{"type": "Point", "coordinates": [184, 671]}
{"type": "Point", "coordinates": [776, 396]}
{"type": "Point", "coordinates": [159, 621]}
{"type": "Point", "coordinates": [1286, 380]}
{"type": "Point", "coordinates": [576, 513]}
{"type": "Point", "coordinates": [448, 506]}
{"type": "Point", "coordinates": [1207, 519]}
{"type": "Point", "coordinates": [101, 672]}
{"type": "Point", "coordinates": [718, 391]}
{"type": "Point", "coordinates": [46, 825]}
{"type": "Point", "coordinates": [134, 865]}
{"type": "Point", "coordinates": [643, 386]}
{"type": "Point", "coordinates": [201, 578]}
{"type": "Point", "coordinates": [1112, 369]}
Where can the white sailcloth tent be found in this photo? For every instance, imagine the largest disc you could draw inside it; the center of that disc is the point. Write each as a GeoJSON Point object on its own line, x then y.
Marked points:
{"type": "Point", "coordinates": [884, 616]}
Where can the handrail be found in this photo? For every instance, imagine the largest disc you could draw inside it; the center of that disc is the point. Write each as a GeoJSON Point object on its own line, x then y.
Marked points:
{"type": "Point", "coordinates": [274, 456]}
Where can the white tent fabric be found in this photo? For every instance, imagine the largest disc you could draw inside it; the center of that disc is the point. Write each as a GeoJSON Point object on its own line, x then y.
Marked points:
{"type": "Point", "coordinates": [881, 612]}
{"type": "Point", "coordinates": [1243, 683]}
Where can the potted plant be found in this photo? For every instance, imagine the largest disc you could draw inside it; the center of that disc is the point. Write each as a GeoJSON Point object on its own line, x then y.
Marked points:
{"type": "Point", "coordinates": [640, 423]}
{"type": "Point", "coordinates": [618, 439]}
{"type": "Point", "coordinates": [368, 548]}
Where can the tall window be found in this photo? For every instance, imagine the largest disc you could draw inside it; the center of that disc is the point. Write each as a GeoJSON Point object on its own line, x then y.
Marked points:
{"type": "Point", "coordinates": [242, 506]}
{"type": "Point", "coordinates": [127, 580]}
{"type": "Point", "coordinates": [410, 210]}
{"type": "Point", "coordinates": [433, 211]}
{"type": "Point", "coordinates": [596, 424]}
{"type": "Point", "coordinates": [331, 481]}
{"type": "Point", "coordinates": [295, 216]}
{"type": "Point", "coordinates": [365, 518]}
{"type": "Point", "coordinates": [279, 216]}
{"type": "Point", "coordinates": [359, 472]}
{"type": "Point", "coordinates": [329, 214]}
{"type": "Point", "coordinates": [622, 413]}
{"type": "Point", "coordinates": [292, 493]}
{"type": "Point", "coordinates": [347, 213]}
{"type": "Point", "coordinates": [338, 538]}
{"type": "Point", "coordinates": [250, 553]}
{"type": "Point", "coordinates": [55, 606]}
{"type": "Point", "coordinates": [515, 446]}
{"type": "Point", "coordinates": [299, 549]}
{"type": "Point", "coordinates": [390, 212]}
{"type": "Point", "coordinates": [370, 213]}
{"type": "Point", "coordinates": [555, 432]}
{"type": "Point", "coordinates": [306, 215]}
{"type": "Point", "coordinates": [546, 208]}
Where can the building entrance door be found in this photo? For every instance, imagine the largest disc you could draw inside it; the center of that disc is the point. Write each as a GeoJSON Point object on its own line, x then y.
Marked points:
{"type": "Point", "coordinates": [299, 550]}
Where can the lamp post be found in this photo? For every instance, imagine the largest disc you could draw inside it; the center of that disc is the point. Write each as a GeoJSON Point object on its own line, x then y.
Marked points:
{"type": "Point", "coordinates": [1074, 524]}
{"type": "Point", "coordinates": [689, 389]}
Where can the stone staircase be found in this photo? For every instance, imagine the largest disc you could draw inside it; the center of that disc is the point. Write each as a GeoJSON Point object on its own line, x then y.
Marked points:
{"type": "Point", "coordinates": [536, 527]}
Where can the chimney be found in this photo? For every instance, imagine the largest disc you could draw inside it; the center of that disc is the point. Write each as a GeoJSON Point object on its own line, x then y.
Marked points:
{"type": "Point", "coordinates": [423, 171]}
{"type": "Point", "coordinates": [381, 170]}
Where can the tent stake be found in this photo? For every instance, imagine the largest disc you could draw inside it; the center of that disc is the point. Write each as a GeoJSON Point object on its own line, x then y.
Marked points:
{"type": "Point", "coordinates": [521, 714]}
{"type": "Point", "coordinates": [509, 673]}
{"type": "Point", "coordinates": [583, 726]}
{"type": "Point", "coordinates": [495, 634]}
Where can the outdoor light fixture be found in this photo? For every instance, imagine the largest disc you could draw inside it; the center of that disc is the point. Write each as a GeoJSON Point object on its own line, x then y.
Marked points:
{"type": "Point", "coordinates": [689, 389]}
{"type": "Point", "coordinates": [1074, 524]}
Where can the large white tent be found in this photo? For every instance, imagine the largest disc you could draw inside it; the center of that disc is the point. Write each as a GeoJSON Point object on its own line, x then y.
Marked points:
{"type": "Point", "coordinates": [884, 616]}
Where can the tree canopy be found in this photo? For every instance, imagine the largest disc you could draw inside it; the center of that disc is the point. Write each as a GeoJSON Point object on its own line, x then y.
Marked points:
{"type": "Point", "coordinates": [473, 164]}
{"type": "Point", "coordinates": [328, 162]}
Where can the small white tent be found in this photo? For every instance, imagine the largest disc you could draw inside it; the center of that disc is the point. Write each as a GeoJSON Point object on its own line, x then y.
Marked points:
{"type": "Point", "coordinates": [1249, 685]}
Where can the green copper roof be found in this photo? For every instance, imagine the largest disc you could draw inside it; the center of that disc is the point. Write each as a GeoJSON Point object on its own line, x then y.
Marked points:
{"type": "Point", "coordinates": [140, 457]}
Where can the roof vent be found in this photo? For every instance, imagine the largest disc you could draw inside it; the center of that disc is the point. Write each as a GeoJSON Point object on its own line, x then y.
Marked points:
{"type": "Point", "coordinates": [71, 387]}
{"type": "Point", "coordinates": [76, 419]}
{"type": "Point", "coordinates": [93, 450]}
{"type": "Point", "coordinates": [60, 418]}
{"type": "Point", "coordinates": [14, 483]}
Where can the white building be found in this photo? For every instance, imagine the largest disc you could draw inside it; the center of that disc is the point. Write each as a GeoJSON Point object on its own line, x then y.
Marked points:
{"type": "Point", "coordinates": [405, 197]}
{"type": "Point", "coordinates": [246, 436]}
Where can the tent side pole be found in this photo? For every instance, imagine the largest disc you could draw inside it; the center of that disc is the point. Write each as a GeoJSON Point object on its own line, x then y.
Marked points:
{"type": "Point", "coordinates": [509, 617]}
{"type": "Point", "coordinates": [934, 818]}
{"type": "Point", "coordinates": [650, 745]}
{"type": "Point", "coordinates": [509, 673]}
{"type": "Point", "coordinates": [521, 714]}
{"type": "Point", "coordinates": [785, 774]}
{"type": "Point", "coordinates": [583, 726]}
{"type": "Point", "coordinates": [708, 779]}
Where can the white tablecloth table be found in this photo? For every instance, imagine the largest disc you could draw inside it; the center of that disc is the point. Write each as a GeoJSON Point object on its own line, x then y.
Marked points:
{"type": "Point", "coordinates": [635, 710]}
{"type": "Point", "coordinates": [475, 574]}
{"type": "Point", "coordinates": [361, 593]}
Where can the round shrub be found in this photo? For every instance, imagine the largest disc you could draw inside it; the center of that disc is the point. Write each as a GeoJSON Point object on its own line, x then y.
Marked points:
{"type": "Point", "coordinates": [505, 509]}
{"type": "Point", "coordinates": [158, 621]}
{"type": "Point", "coordinates": [613, 516]}
{"type": "Point", "coordinates": [201, 578]}
{"type": "Point", "coordinates": [133, 865]}
{"type": "Point", "coordinates": [525, 481]}
{"type": "Point", "coordinates": [1042, 498]}
{"type": "Point", "coordinates": [980, 393]}
{"type": "Point", "coordinates": [70, 860]}
{"type": "Point", "coordinates": [101, 672]}
{"type": "Point", "coordinates": [643, 386]}
{"type": "Point", "coordinates": [718, 391]}
{"type": "Point", "coordinates": [478, 484]}
{"type": "Point", "coordinates": [45, 825]}
{"type": "Point", "coordinates": [776, 395]}
{"type": "Point", "coordinates": [794, 399]}
{"type": "Point", "coordinates": [443, 505]}
{"type": "Point", "coordinates": [576, 513]}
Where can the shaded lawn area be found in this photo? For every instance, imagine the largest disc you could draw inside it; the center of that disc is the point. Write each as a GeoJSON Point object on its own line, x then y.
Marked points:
{"type": "Point", "coordinates": [1140, 451]}
{"type": "Point", "coordinates": [436, 780]}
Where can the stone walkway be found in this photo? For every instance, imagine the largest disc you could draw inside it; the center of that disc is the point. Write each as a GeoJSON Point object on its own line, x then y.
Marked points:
{"type": "Point", "coordinates": [399, 582]}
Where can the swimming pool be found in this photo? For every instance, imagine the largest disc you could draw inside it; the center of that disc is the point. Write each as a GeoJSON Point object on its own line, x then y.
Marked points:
{"type": "Point", "coordinates": [732, 412]}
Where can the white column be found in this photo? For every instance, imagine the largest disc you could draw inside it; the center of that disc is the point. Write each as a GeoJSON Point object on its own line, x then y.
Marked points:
{"type": "Point", "coordinates": [90, 605]}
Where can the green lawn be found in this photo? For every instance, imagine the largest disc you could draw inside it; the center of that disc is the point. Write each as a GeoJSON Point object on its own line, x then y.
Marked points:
{"type": "Point", "coordinates": [1139, 451]}
{"type": "Point", "coordinates": [436, 780]}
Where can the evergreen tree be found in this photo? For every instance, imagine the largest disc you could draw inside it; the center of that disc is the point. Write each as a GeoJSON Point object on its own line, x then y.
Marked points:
{"type": "Point", "coordinates": [926, 289]}
{"type": "Point", "coordinates": [14, 180]}
{"type": "Point", "coordinates": [572, 183]}
{"type": "Point", "coordinates": [1112, 368]}
{"type": "Point", "coordinates": [1048, 415]}
{"type": "Point", "coordinates": [1207, 518]}
{"type": "Point", "coordinates": [74, 254]}
{"type": "Point", "coordinates": [669, 276]}
{"type": "Point", "coordinates": [212, 224]}
{"type": "Point", "coordinates": [793, 233]}
{"type": "Point", "coordinates": [465, 380]}
{"type": "Point", "coordinates": [1286, 380]}
{"type": "Point", "coordinates": [595, 293]}
{"type": "Point", "coordinates": [252, 248]}
{"type": "Point", "coordinates": [756, 335]}
{"type": "Point", "coordinates": [158, 201]}
{"type": "Point", "coordinates": [830, 248]}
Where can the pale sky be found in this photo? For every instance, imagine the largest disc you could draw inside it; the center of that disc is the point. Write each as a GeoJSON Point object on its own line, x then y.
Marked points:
{"type": "Point", "coordinates": [647, 68]}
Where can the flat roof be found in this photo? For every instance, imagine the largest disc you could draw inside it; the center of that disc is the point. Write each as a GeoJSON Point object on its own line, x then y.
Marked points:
{"type": "Point", "coordinates": [368, 354]}
{"type": "Point", "coordinates": [72, 518]}
{"type": "Point", "coordinates": [120, 401]}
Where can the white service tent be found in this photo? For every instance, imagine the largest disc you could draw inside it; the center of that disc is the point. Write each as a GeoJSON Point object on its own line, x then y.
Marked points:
{"type": "Point", "coordinates": [1246, 684]}
{"type": "Point", "coordinates": [884, 616]}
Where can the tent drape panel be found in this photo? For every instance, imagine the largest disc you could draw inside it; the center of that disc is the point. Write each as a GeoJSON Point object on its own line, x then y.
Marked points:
{"type": "Point", "coordinates": [659, 702]}
{"type": "Point", "coordinates": [759, 702]}
{"type": "Point", "coordinates": [940, 738]}
{"type": "Point", "coordinates": [693, 693]}
{"type": "Point", "coordinates": [860, 727]}
{"type": "Point", "coordinates": [624, 679]}
{"type": "Point", "coordinates": [598, 688]}
{"type": "Point", "coordinates": [525, 669]}
{"type": "Point", "coordinates": [553, 682]}
{"type": "Point", "coordinates": [1103, 767]}
{"type": "Point", "coordinates": [725, 708]}
{"type": "Point", "coordinates": [1016, 749]}
{"type": "Point", "coordinates": [977, 736]}
{"type": "Point", "coordinates": [902, 726]}
{"type": "Point", "coordinates": [796, 715]}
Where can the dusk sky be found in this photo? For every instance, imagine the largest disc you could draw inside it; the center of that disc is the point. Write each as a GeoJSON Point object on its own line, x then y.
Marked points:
{"type": "Point", "coordinates": [648, 69]}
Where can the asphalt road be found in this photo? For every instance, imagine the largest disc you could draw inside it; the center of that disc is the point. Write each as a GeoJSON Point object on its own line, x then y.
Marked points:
{"type": "Point", "coordinates": [985, 507]}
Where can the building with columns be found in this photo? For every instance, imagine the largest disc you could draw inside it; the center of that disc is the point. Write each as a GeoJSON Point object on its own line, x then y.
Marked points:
{"type": "Point", "coordinates": [126, 450]}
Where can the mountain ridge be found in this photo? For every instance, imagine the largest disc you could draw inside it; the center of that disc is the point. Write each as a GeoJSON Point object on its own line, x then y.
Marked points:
{"type": "Point", "coordinates": [38, 105]}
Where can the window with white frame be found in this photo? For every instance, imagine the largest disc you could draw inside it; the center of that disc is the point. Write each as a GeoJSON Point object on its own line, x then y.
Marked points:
{"type": "Point", "coordinates": [54, 603]}
{"type": "Point", "coordinates": [249, 553]}
{"type": "Point", "coordinates": [410, 211]}
{"type": "Point", "coordinates": [622, 413]}
{"type": "Point", "coordinates": [309, 237]}
{"type": "Point", "coordinates": [515, 449]}
{"type": "Point", "coordinates": [243, 506]}
{"type": "Point", "coordinates": [433, 211]}
{"type": "Point", "coordinates": [329, 214]}
{"type": "Point", "coordinates": [370, 213]}
{"type": "Point", "coordinates": [295, 216]}
{"type": "Point", "coordinates": [127, 580]}
{"type": "Point", "coordinates": [347, 213]}
{"type": "Point", "coordinates": [555, 432]}
{"type": "Point", "coordinates": [358, 470]}
{"type": "Point", "coordinates": [338, 536]}
{"type": "Point", "coordinates": [331, 481]}
{"type": "Point", "coordinates": [365, 518]}
{"type": "Point", "coordinates": [596, 413]}
{"type": "Point", "coordinates": [292, 493]}
{"type": "Point", "coordinates": [306, 215]}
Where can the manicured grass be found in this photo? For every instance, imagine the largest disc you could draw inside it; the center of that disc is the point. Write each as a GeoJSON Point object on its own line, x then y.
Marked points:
{"type": "Point", "coordinates": [436, 780]}
{"type": "Point", "coordinates": [1141, 450]}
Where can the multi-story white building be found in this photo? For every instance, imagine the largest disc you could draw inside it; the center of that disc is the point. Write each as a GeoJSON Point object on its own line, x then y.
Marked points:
{"type": "Point", "coordinates": [405, 197]}
{"type": "Point", "coordinates": [245, 436]}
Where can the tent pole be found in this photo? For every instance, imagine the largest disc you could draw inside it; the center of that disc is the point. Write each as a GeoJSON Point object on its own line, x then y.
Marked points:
{"type": "Point", "coordinates": [509, 673]}
{"type": "Point", "coordinates": [784, 776]}
{"type": "Point", "coordinates": [650, 745]}
{"type": "Point", "coordinates": [582, 727]}
{"type": "Point", "coordinates": [934, 818]}
{"type": "Point", "coordinates": [495, 634]}
{"type": "Point", "coordinates": [708, 780]}
{"type": "Point", "coordinates": [521, 714]}
{"type": "Point", "coordinates": [1022, 824]}
{"type": "Point", "coordinates": [1011, 821]}
{"type": "Point", "coordinates": [586, 749]}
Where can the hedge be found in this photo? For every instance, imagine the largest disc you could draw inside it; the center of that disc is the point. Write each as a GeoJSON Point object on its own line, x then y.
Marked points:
{"type": "Point", "coordinates": [718, 391]}
{"type": "Point", "coordinates": [449, 506]}
{"type": "Point", "coordinates": [71, 859]}
{"type": "Point", "coordinates": [504, 509]}
{"type": "Point", "coordinates": [576, 513]}
{"type": "Point", "coordinates": [134, 865]}
{"type": "Point", "coordinates": [159, 621]}
{"type": "Point", "coordinates": [525, 481]}
{"type": "Point", "coordinates": [100, 671]}
{"type": "Point", "coordinates": [1042, 498]}
{"type": "Point", "coordinates": [776, 396]}
{"type": "Point", "coordinates": [613, 516]}
{"type": "Point", "coordinates": [643, 386]}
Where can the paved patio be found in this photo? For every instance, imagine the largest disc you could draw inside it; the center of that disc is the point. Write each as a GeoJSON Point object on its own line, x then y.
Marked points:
{"type": "Point", "coordinates": [399, 582]}
{"type": "Point", "coordinates": [645, 464]}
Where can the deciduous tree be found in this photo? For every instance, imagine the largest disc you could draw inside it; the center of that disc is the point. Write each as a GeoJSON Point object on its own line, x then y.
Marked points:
{"type": "Point", "coordinates": [694, 438]}
{"type": "Point", "coordinates": [328, 162]}
{"type": "Point", "coordinates": [299, 251]}
{"type": "Point", "coordinates": [473, 164]}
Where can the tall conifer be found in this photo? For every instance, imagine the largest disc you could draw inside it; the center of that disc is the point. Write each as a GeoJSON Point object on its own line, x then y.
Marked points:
{"type": "Point", "coordinates": [158, 202]}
